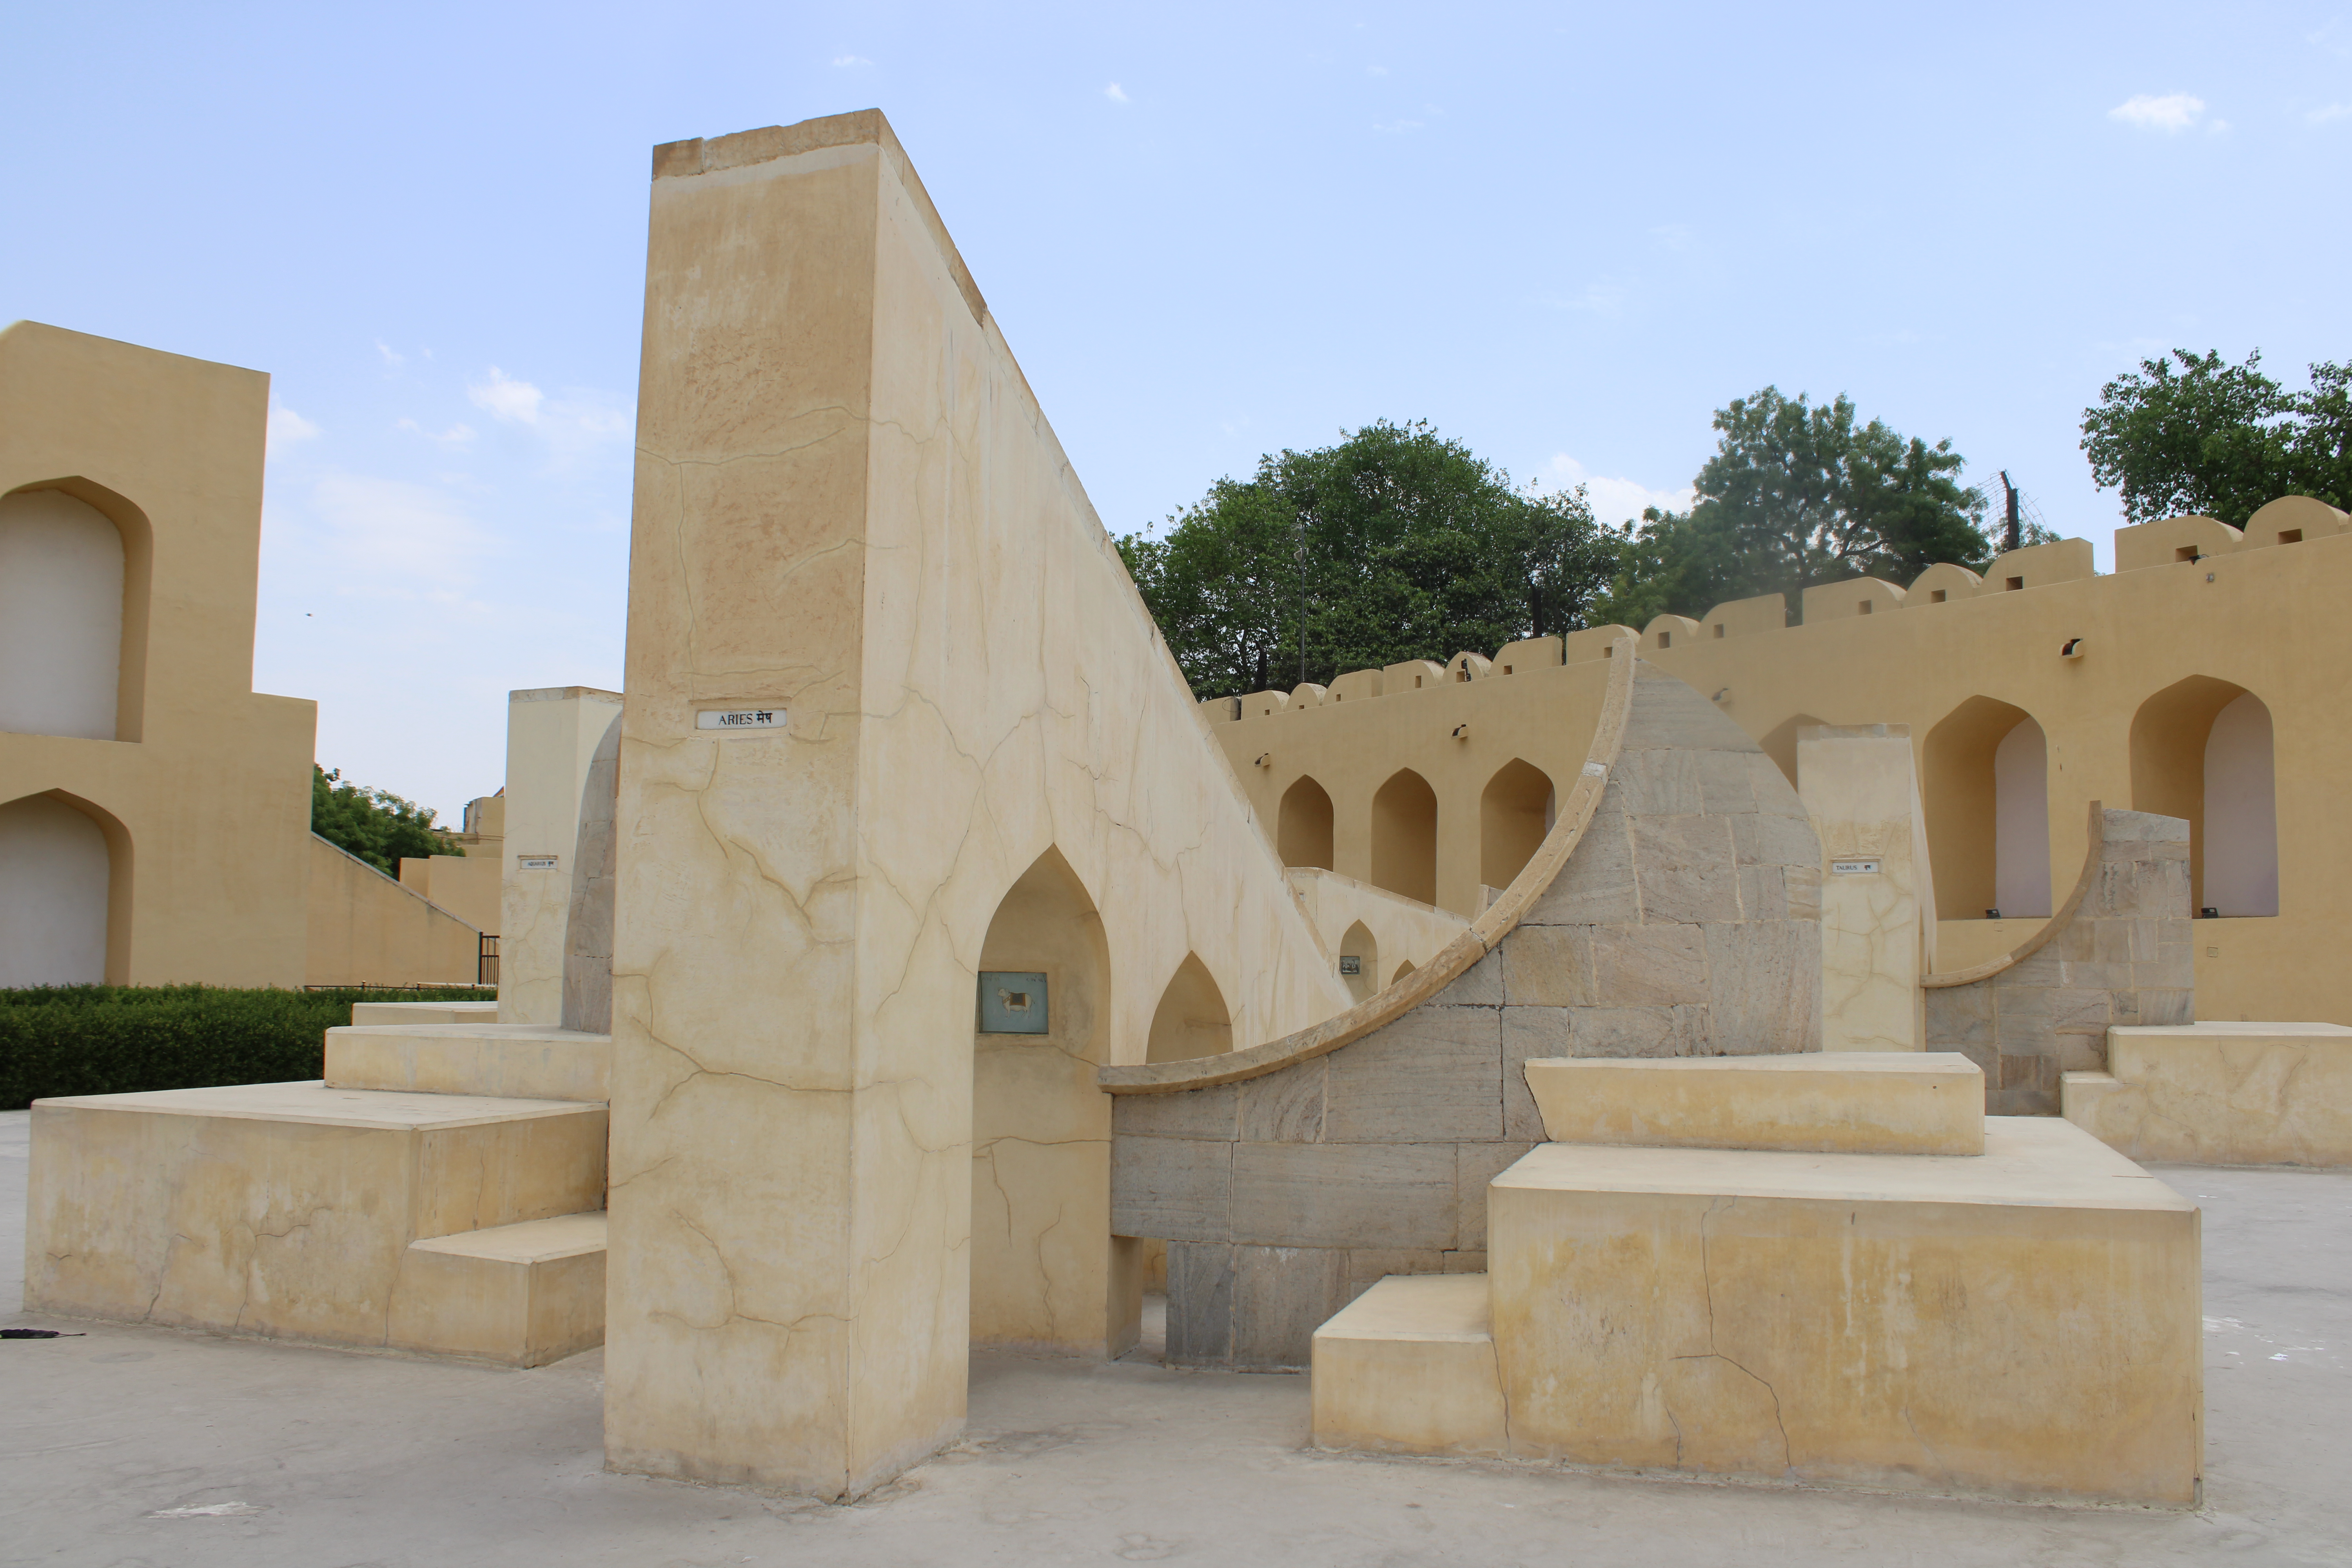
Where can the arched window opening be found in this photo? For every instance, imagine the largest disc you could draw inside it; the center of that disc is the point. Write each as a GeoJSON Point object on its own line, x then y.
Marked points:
{"type": "Point", "coordinates": [1404, 837]}
{"type": "Point", "coordinates": [1402, 970]}
{"type": "Point", "coordinates": [1191, 1019]}
{"type": "Point", "coordinates": [2240, 860]}
{"type": "Point", "coordinates": [1359, 962]}
{"type": "Point", "coordinates": [2201, 751]}
{"type": "Point", "coordinates": [2020, 766]}
{"type": "Point", "coordinates": [1045, 1271]}
{"type": "Point", "coordinates": [61, 595]}
{"type": "Point", "coordinates": [1514, 814]}
{"type": "Point", "coordinates": [1303, 830]}
{"type": "Point", "coordinates": [1984, 786]}
{"type": "Point", "coordinates": [55, 876]}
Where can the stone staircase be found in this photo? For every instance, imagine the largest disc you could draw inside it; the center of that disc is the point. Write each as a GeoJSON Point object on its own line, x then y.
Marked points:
{"type": "Point", "coordinates": [1829, 1269]}
{"type": "Point", "coordinates": [441, 1192]}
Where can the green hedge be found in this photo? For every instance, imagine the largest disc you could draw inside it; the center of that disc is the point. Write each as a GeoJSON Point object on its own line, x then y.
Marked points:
{"type": "Point", "coordinates": [120, 1039]}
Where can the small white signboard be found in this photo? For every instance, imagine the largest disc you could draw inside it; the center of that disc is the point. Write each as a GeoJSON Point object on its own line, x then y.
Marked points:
{"type": "Point", "coordinates": [1855, 868]}
{"type": "Point", "coordinates": [538, 862]}
{"type": "Point", "coordinates": [740, 719]}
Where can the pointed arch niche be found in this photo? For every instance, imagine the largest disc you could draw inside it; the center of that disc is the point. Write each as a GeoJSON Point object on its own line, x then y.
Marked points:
{"type": "Point", "coordinates": [1303, 828]}
{"type": "Point", "coordinates": [1191, 1019]}
{"type": "Point", "coordinates": [1515, 811]}
{"type": "Point", "coordinates": [1985, 787]}
{"type": "Point", "coordinates": [1046, 1273]}
{"type": "Point", "coordinates": [2201, 749]}
{"type": "Point", "coordinates": [1404, 837]}
{"type": "Point", "coordinates": [1359, 945]}
{"type": "Point", "coordinates": [74, 568]}
{"type": "Point", "coordinates": [65, 893]}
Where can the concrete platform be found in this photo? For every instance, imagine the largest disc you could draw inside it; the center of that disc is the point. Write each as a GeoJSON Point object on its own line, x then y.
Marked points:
{"type": "Point", "coordinates": [2220, 1094]}
{"type": "Point", "coordinates": [1853, 1103]}
{"type": "Point", "coordinates": [2022, 1322]}
{"type": "Point", "coordinates": [524, 1295]}
{"type": "Point", "coordinates": [519, 1061]}
{"type": "Point", "coordinates": [140, 1445]}
{"type": "Point", "coordinates": [283, 1210]}
{"type": "Point", "coordinates": [1409, 1367]}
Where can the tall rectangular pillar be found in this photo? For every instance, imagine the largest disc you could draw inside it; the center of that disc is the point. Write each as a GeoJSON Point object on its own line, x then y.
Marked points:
{"type": "Point", "coordinates": [1861, 786]}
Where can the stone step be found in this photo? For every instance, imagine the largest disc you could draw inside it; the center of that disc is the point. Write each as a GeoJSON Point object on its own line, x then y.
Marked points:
{"type": "Point", "coordinates": [522, 1295]}
{"type": "Point", "coordinates": [1841, 1103]}
{"type": "Point", "coordinates": [425, 1013]}
{"type": "Point", "coordinates": [1409, 1367]}
{"type": "Point", "coordinates": [283, 1210]}
{"type": "Point", "coordinates": [521, 1061]}
{"type": "Point", "coordinates": [2220, 1094]}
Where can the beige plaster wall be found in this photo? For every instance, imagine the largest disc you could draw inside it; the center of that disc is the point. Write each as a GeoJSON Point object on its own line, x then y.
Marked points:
{"type": "Point", "coordinates": [467, 886]}
{"type": "Point", "coordinates": [1862, 790]}
{"type": "Point", "coordinates": [1407, 931]}
{"type": "Point", "coordinates": [850, 509]}
{"type": "Point", "coordinates": [364, 929]}
{"type": "Point", "coordinates": [203, 791]}
{"type": "Point", "coordinates": [2264, 617]}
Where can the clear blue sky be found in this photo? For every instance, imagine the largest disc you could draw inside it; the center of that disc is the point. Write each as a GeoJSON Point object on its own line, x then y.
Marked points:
{"type": "Point", "coordinates": [1564, 234]}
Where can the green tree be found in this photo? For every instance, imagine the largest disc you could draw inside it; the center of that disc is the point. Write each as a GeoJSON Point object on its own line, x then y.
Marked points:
{"type": "Point", "coordinates": [374, 825]}
{"type": "Point", "coordinates": [2219, 438]}
{"type": "Point", "coordinates": [1799, 494]}
{"type": "Point", "coordinates": [1395, 543]}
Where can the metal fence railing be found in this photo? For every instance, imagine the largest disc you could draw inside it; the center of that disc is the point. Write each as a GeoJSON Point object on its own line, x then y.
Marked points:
{"type": "Point", "coordinates": [486, 963]}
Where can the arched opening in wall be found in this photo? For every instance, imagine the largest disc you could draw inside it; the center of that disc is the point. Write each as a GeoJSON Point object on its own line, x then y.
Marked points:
{"type": "Point", "coordinates": [1402, 970]}
{"type": "Point", "coordinates": [73, 611]}
{"type": "Point", "coordinates": [1404, 837]}
{"type": "Point", "coordinates": [1779, 743]}
{"type": "Point", "coordinates": [1359, 962]}
{"type": "Point", "coordinates": [1191, 1019]}
{"type": "Point", "coordinates": [64, 894]}
{"type": "Point", "coordinates": [1985, 787]}
{"type": "Point", "coordinates": [1046, 1273]}
{"type": "Point", "coordinates": [1515, 811]}
{"type": "Point", "coordinates": [2201, 750]}
{"type": "Point", "coordinates": [1303, 830]}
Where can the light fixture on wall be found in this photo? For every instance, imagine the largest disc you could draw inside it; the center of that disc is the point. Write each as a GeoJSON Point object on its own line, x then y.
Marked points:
{"type": "Point", "coordinates": [2074, 648]}
{"type": "Point", "coordinates": [1264, 759]}
{"type": "Point", "coordinates": [1461, 732]}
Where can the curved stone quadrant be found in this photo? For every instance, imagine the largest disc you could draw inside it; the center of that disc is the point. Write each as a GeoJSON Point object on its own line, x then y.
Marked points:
{"type": "Point", "coordinates": [1686, 923]}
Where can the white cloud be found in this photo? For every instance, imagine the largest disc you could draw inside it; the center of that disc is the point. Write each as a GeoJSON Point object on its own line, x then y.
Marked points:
{"type": "Point", "coordinates": [844, 62]}
{"type": "Point", "coordinates": [2333, 112]}
{"type": "Point", "coordinates": [507, 398]}
{"type": "Point", "coordinates": [1376, 70]}
{"type": "Point", "coordinates": [1616, 500]}
{"type": "Point", "coordinates": [2172, 112]}
{"type": "Point", "coordinates": [391, 357]}
{"type": "Point", "coordinates": [1606, 298]}
{"type": "Point", "coordinates": [286, 426]}
{"type": "Point", "coordinates": [1115, 93]}
{"type": "Point", "coordinates": [456, 435]}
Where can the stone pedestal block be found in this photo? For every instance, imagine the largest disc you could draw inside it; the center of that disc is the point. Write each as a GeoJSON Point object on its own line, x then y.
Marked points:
{"type": "Point", "coordinates": [521, 1061]}
{"type": "Point", "coordinates": [522, 1295]}
{"type": "Point", "coordinates": [2222, 1094]}
{"type": "Point", "coordinates": [1855, 1102]}
{"type": "Point", "coordinates": [282, 1210]}
{"type": "Point", "coordinates": [1409, 1368]}
{"type": "Point", "coordinates": [2022, 1323]}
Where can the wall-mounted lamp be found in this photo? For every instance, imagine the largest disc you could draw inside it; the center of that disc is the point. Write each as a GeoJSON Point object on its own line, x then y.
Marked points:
{"type": "Point", "coordinates": [1461, 732]}
{"type": "Point", "coordinates": [1265, 758]}
{"type": "Point", "coordinates": [2074, 648]}
{"type": "Point", "coordinates": [1720, 695]}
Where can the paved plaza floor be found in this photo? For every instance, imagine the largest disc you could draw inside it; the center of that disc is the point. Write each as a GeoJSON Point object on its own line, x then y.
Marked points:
{"type": "Point", "coordinates": [131, 1448]}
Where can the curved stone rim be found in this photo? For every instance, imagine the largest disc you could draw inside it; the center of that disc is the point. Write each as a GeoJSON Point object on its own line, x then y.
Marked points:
{"type": "Point", "coordinates": [2049, 927]}
{"type": "Point", "coordinates": [1455, 960]}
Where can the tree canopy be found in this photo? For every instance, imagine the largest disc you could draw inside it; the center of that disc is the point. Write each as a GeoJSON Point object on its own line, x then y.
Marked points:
{"type": "Point", "coordinates": [1798, 494]}
{"type": "Point", "coordinates": [1394, 543]}
{"type": "Point", "coordinates": [2189, 433]}
{"type": "Point", "coordinates": [374, 825]}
